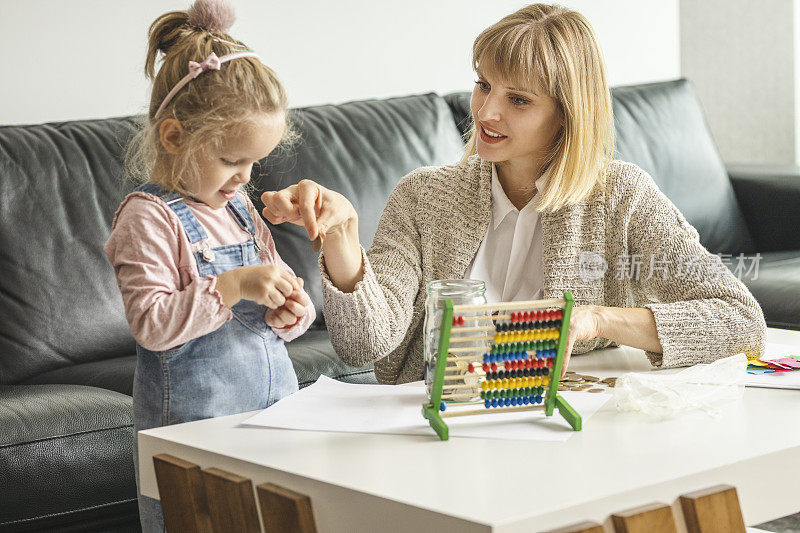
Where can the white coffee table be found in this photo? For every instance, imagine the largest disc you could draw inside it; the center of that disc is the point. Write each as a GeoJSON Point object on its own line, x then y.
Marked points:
{"type": "Point", "coordinates": [361, 482]}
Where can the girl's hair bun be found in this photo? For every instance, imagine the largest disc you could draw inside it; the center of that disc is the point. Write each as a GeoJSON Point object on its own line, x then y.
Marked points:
{"type": "Point", "coordinates": [212, 15]}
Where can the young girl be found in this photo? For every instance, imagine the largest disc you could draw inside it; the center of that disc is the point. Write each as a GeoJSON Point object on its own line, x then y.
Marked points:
{"type": "Point", "coordinates": [208, 299]}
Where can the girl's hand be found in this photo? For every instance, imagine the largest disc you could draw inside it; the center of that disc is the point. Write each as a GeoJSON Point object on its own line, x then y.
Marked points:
{"type": "Point", "coordinates": [268, 285]}
{"type": "Point", "coordinates": [308, 204]}
{"type": "Point", "coordinates": [584, 325]}
{"type": "Point", "coordinates": [292, 311]}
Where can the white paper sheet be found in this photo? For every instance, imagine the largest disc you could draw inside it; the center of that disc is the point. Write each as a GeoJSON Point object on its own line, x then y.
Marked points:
{"type": "Point", "coordinates": [330, 405]}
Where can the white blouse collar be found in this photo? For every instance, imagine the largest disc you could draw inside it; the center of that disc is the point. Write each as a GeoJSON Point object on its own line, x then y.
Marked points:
{"type": "Point", "coordinates": [502, 206]}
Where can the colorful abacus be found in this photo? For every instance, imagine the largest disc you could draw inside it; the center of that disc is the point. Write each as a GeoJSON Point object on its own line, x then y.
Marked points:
{"type": "Point", "coordinates": [514, 366]}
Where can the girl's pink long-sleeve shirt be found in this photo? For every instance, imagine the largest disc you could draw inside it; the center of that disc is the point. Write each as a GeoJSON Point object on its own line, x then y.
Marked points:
{"type": "Point", "coordinates": [167, 302]}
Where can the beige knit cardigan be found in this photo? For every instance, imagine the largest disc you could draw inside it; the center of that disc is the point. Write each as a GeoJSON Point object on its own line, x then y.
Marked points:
{"type": "Point", "coordinates": [433, 225]}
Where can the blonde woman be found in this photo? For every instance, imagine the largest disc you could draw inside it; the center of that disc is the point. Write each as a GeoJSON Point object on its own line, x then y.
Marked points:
{"type": "Point", "coordinates": [536, 206]}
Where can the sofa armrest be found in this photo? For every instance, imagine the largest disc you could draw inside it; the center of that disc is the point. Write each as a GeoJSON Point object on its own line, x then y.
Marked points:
{"type": "Point", "coordinates": [769, 196]}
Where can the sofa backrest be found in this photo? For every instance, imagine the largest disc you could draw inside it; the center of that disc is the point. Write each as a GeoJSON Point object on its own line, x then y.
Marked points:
{"type": "Point", "coordinates": [661, 127]}
{"type": "Point", "coordinates": [60, 185]}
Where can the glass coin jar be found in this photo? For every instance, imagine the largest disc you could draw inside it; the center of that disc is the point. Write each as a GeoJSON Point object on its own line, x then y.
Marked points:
{"type": "Point", "coordinates": [461, 292]}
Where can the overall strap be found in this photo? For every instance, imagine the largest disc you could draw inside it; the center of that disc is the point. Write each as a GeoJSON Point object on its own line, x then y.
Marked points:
{"type": "Point", "coordinates": [240, 212]}
{"type": "Point", "coordinates": [194, 230]}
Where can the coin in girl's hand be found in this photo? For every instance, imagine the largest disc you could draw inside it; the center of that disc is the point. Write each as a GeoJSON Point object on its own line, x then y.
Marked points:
{"type": "Point", "coordinates": [316, 244]}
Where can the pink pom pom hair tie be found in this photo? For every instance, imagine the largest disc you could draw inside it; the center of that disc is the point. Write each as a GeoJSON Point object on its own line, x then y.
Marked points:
{"type": "Point", "coordinates": [212, 62]}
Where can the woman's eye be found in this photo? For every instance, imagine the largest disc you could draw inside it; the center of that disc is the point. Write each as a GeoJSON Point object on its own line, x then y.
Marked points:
{"type": "Point", "coordinates": [517, 100]}
{"type": "Point", "coordinates": [482, 85]}
{"type": "Point", "coordinates": [228, 163]}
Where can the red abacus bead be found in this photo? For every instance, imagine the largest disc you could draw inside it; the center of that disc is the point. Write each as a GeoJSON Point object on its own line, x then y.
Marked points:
{"type": "Point", "coordinates": [486, 367]}
{"type": "Point", "coordinates": [539, 314]}
{"type": "Point", "coordinates": [494, 367]}
{"type": "Point", "coordinates": [529, 363]}
{"type": "Point", "coordinates": [559, 314]}
{"type": "Point", "coordinates": [455, 321]}
{"type": "Point", "coordinates": [470, 368]}
{"type": "Point", "coordinates": [461, 321]}
{"type": "Point", "coordinates": [550, 361]}
{"type": "Point", "coordinates": [526, 316]}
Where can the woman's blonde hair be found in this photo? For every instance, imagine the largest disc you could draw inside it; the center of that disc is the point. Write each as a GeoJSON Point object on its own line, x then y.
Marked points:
{"type": "Point", "coordinates": [209, 108]}
{"type": "Point", "coordinates": [554, 50]}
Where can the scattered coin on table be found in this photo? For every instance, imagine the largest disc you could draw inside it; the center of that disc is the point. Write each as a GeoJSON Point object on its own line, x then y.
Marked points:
{"type": "Point", "coordinates": [581, 382]}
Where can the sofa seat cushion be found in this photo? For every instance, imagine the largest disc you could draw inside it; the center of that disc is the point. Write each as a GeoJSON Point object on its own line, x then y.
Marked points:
{"type": "Point", "coordinates": [113, 374]}
{"type": "Point", "coordinates": [312, 354]}
{"type": "Point", "coordinates": [64, 450]}
{"type": "Point", "coordinates": [777, 288]}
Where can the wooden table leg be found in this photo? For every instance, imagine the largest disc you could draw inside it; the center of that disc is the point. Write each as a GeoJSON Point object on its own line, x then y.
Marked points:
{"type": "Point", "coordinates": [713, 510]}
{"type": "Point", "coordinates": [183, 499]}
{"type": "Point", "coordinates": [285, 511]}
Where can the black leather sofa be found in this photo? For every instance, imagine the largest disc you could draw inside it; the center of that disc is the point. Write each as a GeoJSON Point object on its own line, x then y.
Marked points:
{"type": "Point", "coordinates": [66, 354]}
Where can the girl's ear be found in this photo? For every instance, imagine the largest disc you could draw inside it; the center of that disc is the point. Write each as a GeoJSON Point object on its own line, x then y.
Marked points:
{"type": "Point", "coordinates": [171, 135]}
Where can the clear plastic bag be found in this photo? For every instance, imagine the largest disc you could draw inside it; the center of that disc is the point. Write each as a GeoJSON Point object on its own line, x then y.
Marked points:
{"type": "Point", "coordinates": [707, 387]}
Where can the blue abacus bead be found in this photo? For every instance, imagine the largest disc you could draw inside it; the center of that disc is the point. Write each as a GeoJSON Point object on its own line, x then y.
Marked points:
{"type": "Point", "coordinates": [494, 402]}
{"type": "Point", "coordinates": [539, 398]}
{"type": "Point", "coordinates": [514, 402]}
{"type": "Point", "coordinates": [442, 406]}
{"type": "Point", "coordinates": [487, 403]}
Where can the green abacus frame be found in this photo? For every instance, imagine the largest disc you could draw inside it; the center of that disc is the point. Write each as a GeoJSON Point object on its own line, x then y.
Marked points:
{"type": "Point", "coordinates": [431, 409]}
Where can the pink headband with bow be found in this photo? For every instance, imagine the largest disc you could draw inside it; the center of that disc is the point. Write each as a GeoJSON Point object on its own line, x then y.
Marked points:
{"type": "Point", "coordinates": [212, 62]}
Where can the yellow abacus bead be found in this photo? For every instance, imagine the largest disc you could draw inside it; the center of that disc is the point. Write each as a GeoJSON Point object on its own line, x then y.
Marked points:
{"type": "Point", "coordinates": [545, 380]}
{"type": "Point", "coordinates": [493, 384]}
{"type": "Point", "coordinates": [485, 385]}
{"type": "Point", "coordinates": [527, 382]}
{"type": "Point", "coordinates": [528, 336]}
{"type": "Point", "coordinates": [496, 338]}
{"type": "Point", "coordinates": [537, 381]}
{"type": "Point", "coordinates": [504, 383]}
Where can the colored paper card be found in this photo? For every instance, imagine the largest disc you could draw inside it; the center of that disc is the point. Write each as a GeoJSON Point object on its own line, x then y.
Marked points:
{"type": "Point", "coordinates": [786, 362]}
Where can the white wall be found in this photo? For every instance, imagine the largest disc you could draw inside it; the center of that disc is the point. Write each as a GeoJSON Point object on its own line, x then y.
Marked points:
{"type": "Point", "coordinates": [741, 55]}
{"type": "Point", "coordinates": [84, 58]}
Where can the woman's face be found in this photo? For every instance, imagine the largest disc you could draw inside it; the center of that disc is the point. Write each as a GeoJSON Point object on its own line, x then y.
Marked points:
{"type": "Point", "coordinates": [512, 124]}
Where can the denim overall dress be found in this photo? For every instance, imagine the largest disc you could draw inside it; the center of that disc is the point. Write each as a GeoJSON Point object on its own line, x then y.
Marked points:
{"type": "Point", "coordinates": [242, 366]}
